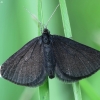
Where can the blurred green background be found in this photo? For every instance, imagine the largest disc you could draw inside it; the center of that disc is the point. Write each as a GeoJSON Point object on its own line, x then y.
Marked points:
{"type": "Point", "coordinates": [17, 27]}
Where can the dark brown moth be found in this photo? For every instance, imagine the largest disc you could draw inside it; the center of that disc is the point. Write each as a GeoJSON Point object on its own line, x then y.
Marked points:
{"type": "Point", "coordinates": [50, 55]}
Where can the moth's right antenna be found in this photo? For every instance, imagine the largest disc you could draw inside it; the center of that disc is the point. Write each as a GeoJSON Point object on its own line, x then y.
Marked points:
{"type": "Point", "coordinates": [33, 16]}
{"type": "Point", "coordinates": [52, 15]}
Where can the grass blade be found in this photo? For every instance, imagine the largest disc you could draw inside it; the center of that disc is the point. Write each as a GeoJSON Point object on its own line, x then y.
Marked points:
{"type": "Point", "coordinates": [77, 91]}
{"type": "Point", "coordinates": [67, 31]}
{"type": "Point", "coordinates": [44, 89]}
{"type": "Point", "coordinates": [65, 19]}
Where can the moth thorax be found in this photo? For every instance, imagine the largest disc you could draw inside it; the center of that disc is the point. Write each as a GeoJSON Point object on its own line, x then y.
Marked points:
{"type": "Point", "coordinates": [45, 38]}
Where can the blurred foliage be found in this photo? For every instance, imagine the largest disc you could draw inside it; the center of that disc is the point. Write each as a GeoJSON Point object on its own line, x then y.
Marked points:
{"type": "Point", "coordinates": [17, 27]}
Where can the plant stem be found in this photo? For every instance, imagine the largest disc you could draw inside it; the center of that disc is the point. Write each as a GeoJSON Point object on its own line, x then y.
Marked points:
{"type": "Point", "coordinates": [77, 91]}
{"type": "Point", "coordinates": [67, 31]}
{"type": "Point", "coordinates": [65, 19]}
{"type": "Point", "coordinates": [44, 89]}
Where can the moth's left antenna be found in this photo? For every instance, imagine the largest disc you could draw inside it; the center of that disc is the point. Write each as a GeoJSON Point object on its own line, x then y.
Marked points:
{"type": "Point", "coordinates": [52, 15]}
{"type": "Point", "coordinates": [33, 16]}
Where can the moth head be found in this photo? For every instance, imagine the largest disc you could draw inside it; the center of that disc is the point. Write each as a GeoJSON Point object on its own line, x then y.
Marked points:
{"type": "Point", "coordinates": [45, 36]}
{"type": "Point", "coordinates": [46, 31]}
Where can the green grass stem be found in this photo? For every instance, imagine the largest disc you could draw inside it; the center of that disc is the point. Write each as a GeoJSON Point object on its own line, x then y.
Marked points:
{"type": "Point", "coordinates": [44, 89]}
{"type": "Point", "coordinates": [67, 31]}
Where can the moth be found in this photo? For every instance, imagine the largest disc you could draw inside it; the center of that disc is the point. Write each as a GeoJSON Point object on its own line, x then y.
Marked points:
{"type": "Point", "coordinates": [50, 55]}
